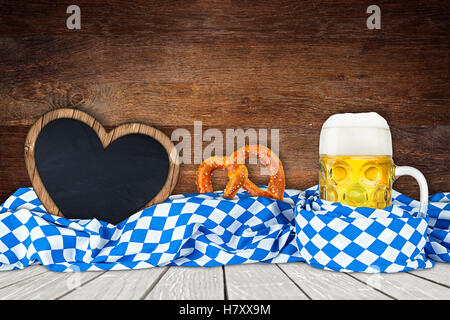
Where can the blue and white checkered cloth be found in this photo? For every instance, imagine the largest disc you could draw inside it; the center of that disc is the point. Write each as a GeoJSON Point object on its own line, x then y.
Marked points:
{"type": "Point", "coordinates": [209, 230]}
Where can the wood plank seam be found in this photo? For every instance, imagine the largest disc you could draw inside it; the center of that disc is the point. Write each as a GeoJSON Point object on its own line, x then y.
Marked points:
{"type": "Point", "coordinates": [295, 283]}
{"type": "Point", "coordinates": [81, 284]}
{"type": "Point", "coordinates": [382, 292]}
{"type": "Point", "coordinates": [225, 290]}
{"type": "Point", "coordinates": [260, 281]}
{"type": "Point", "coordinates": [433, 281]}
{"type": "Point", "coordinates": [23, 279]}
{"type": "Point", "coordinates": [153, 285]}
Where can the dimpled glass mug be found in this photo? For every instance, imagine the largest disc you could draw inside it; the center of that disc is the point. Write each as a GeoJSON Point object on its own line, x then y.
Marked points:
{"type": "Point", "coordinates": [356, 166]}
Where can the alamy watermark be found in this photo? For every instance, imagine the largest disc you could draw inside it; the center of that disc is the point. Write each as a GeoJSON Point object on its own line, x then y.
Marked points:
{"type": "Point", "coordinates": [374, 20]}
{"type": "Point", "coordinates": [74, 20]}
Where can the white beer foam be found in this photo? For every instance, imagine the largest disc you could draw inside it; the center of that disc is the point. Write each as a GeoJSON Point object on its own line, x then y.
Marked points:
{"type": "Point", "coordinates": [355, 134]}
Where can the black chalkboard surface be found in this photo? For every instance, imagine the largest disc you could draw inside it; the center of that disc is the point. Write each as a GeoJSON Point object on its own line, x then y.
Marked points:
{"type": "Point", "coordinates": [86, 180]}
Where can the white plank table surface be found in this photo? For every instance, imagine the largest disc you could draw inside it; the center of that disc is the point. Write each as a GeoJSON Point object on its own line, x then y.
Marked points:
{"type": "Point", "coordinates": [320, 284]}
{"type": "Point", "coordinates": [287, 281]}
{"type": "Point", "coordinates": [190, 283]}
{"type": "Point", "coordinates": [118, 285]}
{"type": "Point", "coordinates": [260, 281]}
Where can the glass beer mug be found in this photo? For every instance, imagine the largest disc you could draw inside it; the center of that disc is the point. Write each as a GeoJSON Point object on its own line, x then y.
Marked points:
{"type": "Point", "coordinates": [356, 166]}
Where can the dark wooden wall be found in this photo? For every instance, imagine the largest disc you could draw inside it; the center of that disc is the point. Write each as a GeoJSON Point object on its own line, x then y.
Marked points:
{"type": "Point", "coordinates": [263, 64]}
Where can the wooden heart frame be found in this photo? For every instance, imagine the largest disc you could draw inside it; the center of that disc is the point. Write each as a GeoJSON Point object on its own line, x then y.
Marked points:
{"type": "Point", "coordinates": [106, 138]}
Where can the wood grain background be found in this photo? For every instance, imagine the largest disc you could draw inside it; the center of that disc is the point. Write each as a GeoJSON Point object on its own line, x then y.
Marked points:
{"type": "Point", "coordinates": [287, 65]}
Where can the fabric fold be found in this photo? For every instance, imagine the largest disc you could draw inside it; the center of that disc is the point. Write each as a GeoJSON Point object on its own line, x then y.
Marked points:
{"type": "Point", "coordinates": [209, 230]}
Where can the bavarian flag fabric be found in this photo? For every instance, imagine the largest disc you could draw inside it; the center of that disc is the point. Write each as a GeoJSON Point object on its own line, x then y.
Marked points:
{"type": "Point", "coordinates": [209, 230]}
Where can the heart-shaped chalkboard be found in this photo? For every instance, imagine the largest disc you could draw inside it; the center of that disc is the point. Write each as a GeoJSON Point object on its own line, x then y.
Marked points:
{"type": "Point", "coordinates": [79, 170]}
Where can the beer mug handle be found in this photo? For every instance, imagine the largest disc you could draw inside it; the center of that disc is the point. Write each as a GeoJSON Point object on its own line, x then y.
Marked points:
{"type": "Point", "coordinates": [423, 186]}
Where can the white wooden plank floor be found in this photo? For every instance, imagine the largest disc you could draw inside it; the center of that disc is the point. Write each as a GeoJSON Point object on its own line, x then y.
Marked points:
{"type": "Point", "coordinates": [296, 281]}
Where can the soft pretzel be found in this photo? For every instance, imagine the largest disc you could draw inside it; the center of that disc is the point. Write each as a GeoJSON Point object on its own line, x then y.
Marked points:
{"type": "Point", "coordinates": [236, 177]}
{"type": "Point", "coordinates": [204, 172]}
{"type": "Point", "coordinates": [272, 163]}
{"type": "Point", "coordinates": [238, 173]}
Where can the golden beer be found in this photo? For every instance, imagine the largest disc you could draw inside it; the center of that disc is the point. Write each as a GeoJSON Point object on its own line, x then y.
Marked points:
{"type": "Point", "coordinates": [359, 181]}
{"type": "Point", "coordinates": [356, 166]}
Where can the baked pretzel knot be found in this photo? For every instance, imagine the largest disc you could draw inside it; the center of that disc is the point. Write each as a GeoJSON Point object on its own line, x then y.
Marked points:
{"type": "Point", "coordinates": [238, 173]}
